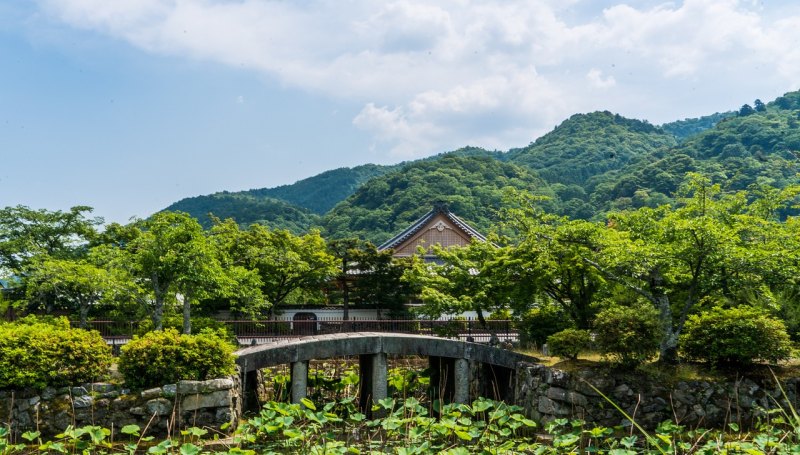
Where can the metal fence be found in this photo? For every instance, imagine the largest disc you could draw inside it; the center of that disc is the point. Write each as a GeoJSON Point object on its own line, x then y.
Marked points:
{"type": "Point", "coordinates": [262, 331]}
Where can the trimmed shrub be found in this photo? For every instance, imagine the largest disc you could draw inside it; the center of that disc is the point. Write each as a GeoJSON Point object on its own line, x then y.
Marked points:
{"type": "Point", "coordinates": [541, 322]}
{"type": "Point", "coordinates": [166, 357]}
{"type": "Point", "coordinates": [629, 335]}
{"type": "Point", "coordinates": [735, 336]}
{"type": "Point", "coordinates": [568, 343]}
{"type": "Point", "coordinates": [38, 353]}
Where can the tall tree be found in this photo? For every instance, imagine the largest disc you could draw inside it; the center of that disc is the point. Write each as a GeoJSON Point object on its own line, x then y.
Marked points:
{"type": "Point", "coordinates": [171, 256]}
{"type": "Point", "coordinates": [549, 261]}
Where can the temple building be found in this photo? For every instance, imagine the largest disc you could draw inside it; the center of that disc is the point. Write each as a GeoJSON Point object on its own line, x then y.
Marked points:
{"type": "Point", "coordinates": [440, 227]}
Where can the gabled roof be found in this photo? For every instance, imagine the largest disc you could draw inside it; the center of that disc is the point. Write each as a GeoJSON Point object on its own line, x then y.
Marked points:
{"type": "Point", "coordinates": [418, 225]}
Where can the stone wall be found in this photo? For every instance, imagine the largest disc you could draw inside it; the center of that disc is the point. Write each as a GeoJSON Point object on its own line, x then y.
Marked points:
{"type": "Point", "coordinates": [548, 393]}
{"type": "Point", "coordinates": [208, 404]}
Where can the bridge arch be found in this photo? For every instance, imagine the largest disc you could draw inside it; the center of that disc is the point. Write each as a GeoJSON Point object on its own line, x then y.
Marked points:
{"type": "Point", "coordinates": [372, 348]}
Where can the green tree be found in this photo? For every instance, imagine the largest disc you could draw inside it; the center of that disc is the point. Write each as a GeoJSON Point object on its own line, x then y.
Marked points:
{"type": "Point", "coordinates": [462, 279]}
{"type": "Point", "coordinates": [549, 260]}
{"type": "Point", "coordinates": [710, 245]}
{"type": "Point", "coordinates": [285, 263]}
{"type": "Point", "coordinates": [171, 256]}
{"type": "Point", "coordinates": [367, 276]}
{"type": "Point", "coordinates": [74, 284]}
{"type": "Point", "coordinates": [26, 234]}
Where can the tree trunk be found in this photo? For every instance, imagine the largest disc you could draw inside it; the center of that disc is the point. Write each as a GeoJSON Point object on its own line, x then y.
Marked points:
{"type": "Point", "coordinates": [668, 349]}
{"type": "Point", "coordinates": [158, 313]}
{"type": "Point", "coordinates": [84, 315]}
{"type": "Point", "coordinates": [187, 320]}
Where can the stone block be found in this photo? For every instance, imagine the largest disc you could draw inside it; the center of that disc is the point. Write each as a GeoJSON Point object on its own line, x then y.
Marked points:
{"type": "Point", "coordinates": [553, 408]}
{"type": "Point", "coordinates": [170, 390]}
{"type": "Point", "coordinates": [158, 406]}
{"type": "Point", "coordinates": [77, 391]}
{"type": "Point", "coordinates": [149, 394]}
{"type": "Point", "coordinates": [100, 387]}
{"type": "Point", "coordinates": [218, 399]}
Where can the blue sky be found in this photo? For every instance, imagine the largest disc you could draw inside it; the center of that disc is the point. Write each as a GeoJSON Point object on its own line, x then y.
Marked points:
{"type": "Point", "coordinates": [130, 105]}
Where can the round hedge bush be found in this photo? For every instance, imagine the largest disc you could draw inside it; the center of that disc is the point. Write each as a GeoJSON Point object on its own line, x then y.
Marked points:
{"type": "Point", "coordinates": [166, 357]}
{"type": "Point", "coordinates": [568, 343]}
{"type": "Point", "coordinates": [629, 334]}
{"type": "Point", "coordinates": [39, 353]}
{"type": "Point", "coordinates": [735, 336]}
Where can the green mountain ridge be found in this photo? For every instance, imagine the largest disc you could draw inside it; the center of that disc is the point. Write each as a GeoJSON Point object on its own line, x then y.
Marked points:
{"type": "Point", "coordinates": [589, 164]}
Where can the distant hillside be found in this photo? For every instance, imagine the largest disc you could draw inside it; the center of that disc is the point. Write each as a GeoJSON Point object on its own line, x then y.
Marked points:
{"type": "Point", "coordinates": [586, 145]}
{"type": "Point", "coordinates": [323, 191]}
{"type": "Point", "coordinates": [683, 129]}
{"type": "Point", "coordinates": [588, 165]}
{"type": "Point", "coordinates": [741, 150]}
{"type": "Point", "coordinates": [246, 209]}
{"type": "Point", "coordinates": [472, 186]}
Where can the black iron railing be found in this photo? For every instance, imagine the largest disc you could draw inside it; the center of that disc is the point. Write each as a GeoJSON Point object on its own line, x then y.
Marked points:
{"type": "Point", "coordinates": [248, 331]}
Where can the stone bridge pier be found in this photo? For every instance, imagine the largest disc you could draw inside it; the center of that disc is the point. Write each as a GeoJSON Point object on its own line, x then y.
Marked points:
{"type": "Point", "coordinates": [453, 364]}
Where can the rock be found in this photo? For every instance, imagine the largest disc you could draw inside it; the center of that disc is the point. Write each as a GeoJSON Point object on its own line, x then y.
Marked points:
{"type": "Point", "coordinates": [213, 385]}
{"type": "Point", "coordinates": [48, 393]}
{"type": "Point", "coordinates": [170, 390]}
{"type": "Point", "coordinates": [100, 387]}
{"type": "Point", "coordinates": [550, 407]}
{"type": "Point", "coordinates": [78, 391]}
{"type": "Point", "coordinates": [34, 400]}
{"type": "Point", "coordinates": [158, 406]}
{"type": "Point", "coordinates": [85, 401]}
{"type": "Point", "coordinates": [138, 411]}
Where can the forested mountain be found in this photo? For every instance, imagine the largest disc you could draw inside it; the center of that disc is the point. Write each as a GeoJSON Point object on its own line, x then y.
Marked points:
{"type": "Point", "coordinates": [294, 207]}
{"type": "Point", "coordinates": [586, 145]}
{"type": "Point", "coordinates": [590, 164]}
{"type": "Point", "coordinates": [753, 147]}
{"type": "Point", "coordinates": [323, 191]}
{"type": "Point", "coordinates": [247, 209]}
{"type": "Point", "coordinates": [472, 186]}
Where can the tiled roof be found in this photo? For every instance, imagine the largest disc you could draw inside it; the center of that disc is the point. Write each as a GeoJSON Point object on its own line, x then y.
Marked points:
{"type": "Point", "coordinates": [416, 226]}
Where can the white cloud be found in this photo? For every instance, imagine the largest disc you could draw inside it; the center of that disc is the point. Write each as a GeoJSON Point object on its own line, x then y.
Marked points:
{"type": "Point", "coordinates": [595, 77]}
{"type": "Point", "coordinates": [432, 76]}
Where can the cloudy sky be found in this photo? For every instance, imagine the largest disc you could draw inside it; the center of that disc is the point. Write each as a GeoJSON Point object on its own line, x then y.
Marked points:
{"type": "Point", "coordinates": [130, 105]}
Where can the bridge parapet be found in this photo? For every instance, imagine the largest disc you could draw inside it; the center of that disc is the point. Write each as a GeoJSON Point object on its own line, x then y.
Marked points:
{"type": "Point", "coordinates": [372, 349]}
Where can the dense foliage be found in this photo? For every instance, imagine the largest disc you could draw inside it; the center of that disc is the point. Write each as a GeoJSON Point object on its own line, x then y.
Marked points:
{"type": "Point", "coordinates": [165, 357]}
{"type": "Point", "coordinates": [735, 336]}
{"type": "Point", "coordinates": [683, 129]}
{"type": "Point", "coordinates": [574, 151]}
{"type": "Point", "coordinates": [472, 186]}
{"type": "Point", "coordinates": [246, 209]}
{"type": "Point", "coordinates": [322, 192]}
{"type": "Point", "coordinates": [40, 353]}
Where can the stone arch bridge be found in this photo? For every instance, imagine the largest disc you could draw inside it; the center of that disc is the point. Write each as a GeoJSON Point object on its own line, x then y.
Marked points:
{"type": "Point", "coordinates": [455, 365]}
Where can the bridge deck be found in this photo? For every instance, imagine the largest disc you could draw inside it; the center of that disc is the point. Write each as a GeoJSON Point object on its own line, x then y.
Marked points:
{"type": "Point", "coordinates": [362, 343]}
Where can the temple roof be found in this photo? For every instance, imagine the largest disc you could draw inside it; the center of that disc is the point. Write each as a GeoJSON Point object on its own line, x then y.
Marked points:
{"type": "Point", "coordinates": [417, 226]}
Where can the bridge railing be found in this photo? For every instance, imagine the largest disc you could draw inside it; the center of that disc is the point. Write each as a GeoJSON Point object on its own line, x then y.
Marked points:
{"type": "Point", "coordinates": [249, 331]}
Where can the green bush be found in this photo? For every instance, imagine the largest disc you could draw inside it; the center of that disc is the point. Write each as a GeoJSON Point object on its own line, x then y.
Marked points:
{"type": "Point", "coordinates": [735, 336]}
{"type": "Point", "coordinates": [38, 353]}
{"type": "Point", "coordinates": [541, 322]}
{"type": "Point", "coordinates": [165, 357]}
{"type": "Point", "coordinates": [568, 343]}
{"type": "Point", "coordinates": [630, 335]}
